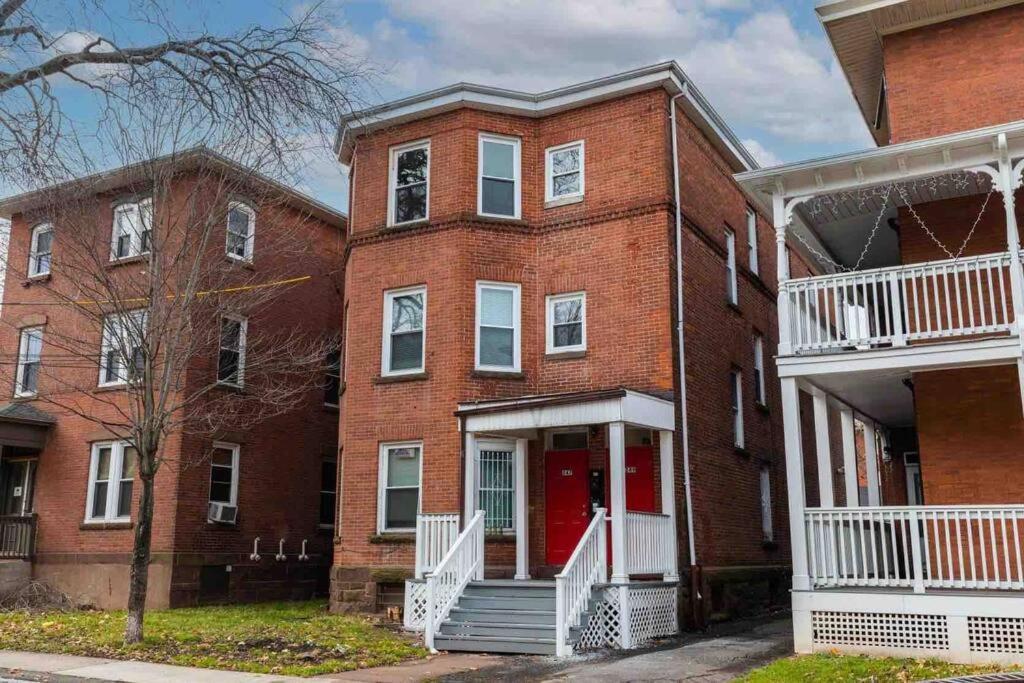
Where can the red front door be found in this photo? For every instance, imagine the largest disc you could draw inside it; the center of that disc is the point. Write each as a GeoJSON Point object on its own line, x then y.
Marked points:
{"type": "Point", "coordinates": [640, 479]}
{"type": "Point", "coordinates": [566, 502]}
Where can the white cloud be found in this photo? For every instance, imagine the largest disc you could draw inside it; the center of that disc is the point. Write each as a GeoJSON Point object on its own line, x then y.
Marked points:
{"type": "Point", "coordinates": [764, 156]}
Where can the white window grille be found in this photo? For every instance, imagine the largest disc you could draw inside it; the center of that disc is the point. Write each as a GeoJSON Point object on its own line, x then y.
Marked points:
{"type": "Point", "coordinates": [40, 250]}
{"type": "Point", "coordinates": [29, 361]}
{"type": "Point", "coordinates": [496, 488]}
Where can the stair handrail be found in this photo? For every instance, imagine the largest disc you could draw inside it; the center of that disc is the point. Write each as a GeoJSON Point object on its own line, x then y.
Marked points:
{"type": "Point", "coordinates": [587, 566]}
{"type": "Point", "coordinates": [463, 562]}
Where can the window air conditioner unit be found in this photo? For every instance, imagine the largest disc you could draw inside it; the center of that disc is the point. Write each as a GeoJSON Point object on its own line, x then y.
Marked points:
{"type": "Point", "coordinates": [223, 513]}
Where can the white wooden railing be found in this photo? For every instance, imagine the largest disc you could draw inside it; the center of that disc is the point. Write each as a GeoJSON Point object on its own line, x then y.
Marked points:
{"type": "Point", "coordinates": [893, 306]}
{"type": "Point", "coordinates": [963, 547]}
{"type": "Point", "coordinates": [435, 534]}
{"type": "Point", "coordinates": [463, 562]}
{"type": "Point", "coordinates": [649, 546]}
{"type": "Point", "coordinates": [587, 566]}
{"type": "Point", "coordinates": [17, 536]}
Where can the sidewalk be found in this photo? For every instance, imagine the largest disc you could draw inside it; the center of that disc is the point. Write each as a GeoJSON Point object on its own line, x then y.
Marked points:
{"type": "Point", "coordinates": [31, 666]}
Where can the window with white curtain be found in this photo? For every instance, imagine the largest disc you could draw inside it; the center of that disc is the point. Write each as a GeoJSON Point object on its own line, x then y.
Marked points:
{"type": "Point", "coordinates": [497, 326]}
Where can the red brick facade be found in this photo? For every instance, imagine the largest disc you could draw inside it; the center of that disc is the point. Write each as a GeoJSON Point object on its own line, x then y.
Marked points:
{"type": "Point", "coordinates": [279, 476]}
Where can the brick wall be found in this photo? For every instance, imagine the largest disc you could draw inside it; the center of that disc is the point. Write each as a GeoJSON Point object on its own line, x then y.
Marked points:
{"type": "Point", "coordinates": [956, 75]}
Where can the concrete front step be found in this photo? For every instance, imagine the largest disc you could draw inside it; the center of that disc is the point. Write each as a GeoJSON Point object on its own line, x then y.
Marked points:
{"type": "Point", "coordinates": [509, 603]}
{"type": "Point", "coordinates": [493, 630]}
{"type": "Point", "coordinates": [510, 590]}
{"type": "Point", "coordinates": [502, 616]}
{"type": "Point", "coordinates": [503, 644]}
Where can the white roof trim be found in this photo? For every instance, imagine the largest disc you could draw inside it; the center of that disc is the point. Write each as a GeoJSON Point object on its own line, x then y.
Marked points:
{"type": "Point", "coordinates": [668, 75]}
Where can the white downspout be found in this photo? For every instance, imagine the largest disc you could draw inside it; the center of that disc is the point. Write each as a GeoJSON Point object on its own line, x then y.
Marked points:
{"type": "Point", "coordinates": [680, 331]}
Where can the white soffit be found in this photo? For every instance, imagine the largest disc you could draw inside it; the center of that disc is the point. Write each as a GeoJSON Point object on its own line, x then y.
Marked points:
{"type": "Point", "coordinates": [641, 410]}
{"type": "Point", "coordinates": [856, 29]}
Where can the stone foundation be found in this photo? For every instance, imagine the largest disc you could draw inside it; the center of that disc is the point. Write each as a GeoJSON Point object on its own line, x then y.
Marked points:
{"type": "Point", "coordinates": [354, 589]}
{"type": "Point", "coordinates": [14, 575]}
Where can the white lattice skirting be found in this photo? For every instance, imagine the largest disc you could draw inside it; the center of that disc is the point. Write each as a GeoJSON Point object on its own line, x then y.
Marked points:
{"type": "Point", "coordinates": [415, 605]}
{"type": "Point", "coordinates": [981, 628]}
{"type": "Point", "coordinates": [653, 613]}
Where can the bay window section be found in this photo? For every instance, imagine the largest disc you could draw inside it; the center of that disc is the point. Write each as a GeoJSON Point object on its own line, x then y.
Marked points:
{"type": "Point", "coordinates": [399, 486]}
{"type": "Point", "coordinates": [403, 346]}
{"type": "Point", "coordinates": [497, 327]}
{"type": "Point", "coordinates": [409, 195]}
{"type": "Point", "coordinates": [498, 185]}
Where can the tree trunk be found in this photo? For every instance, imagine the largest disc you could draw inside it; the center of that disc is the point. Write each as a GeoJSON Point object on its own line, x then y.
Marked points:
{"type": "Point", "coordinates": [139, 578]}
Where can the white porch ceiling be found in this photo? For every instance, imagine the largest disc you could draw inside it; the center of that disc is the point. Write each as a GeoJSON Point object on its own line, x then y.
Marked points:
{"type": "Point", "coordinates": [881, 394]}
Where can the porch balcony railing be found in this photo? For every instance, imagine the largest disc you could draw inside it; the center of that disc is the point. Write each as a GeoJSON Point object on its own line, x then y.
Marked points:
{"type": "Point", "coordinates": [587, 567]}
{"type": "Point", "coordinates": [649, 546]}
{"type": "Point", "coordinates": [17, 537]}
{"type": "Point", "coordinates": [969, 547]}
{"type": "Point", "coordinates": [435, 534]}
{"type": "Point", "coordinates": [463, 563]}
{"type": "Point", "coordinates": [901, 304]}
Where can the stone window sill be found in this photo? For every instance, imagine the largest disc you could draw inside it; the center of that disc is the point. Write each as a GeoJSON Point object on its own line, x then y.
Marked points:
{"type": "Point", "coordinates": [395, 379]}
{"type": "Point", "coordinates": [36, 280]}
{"type": "Point", "coordinates": [497, 374]}
{"type": "Point", "coordinates": [105, 526]}
{"type": "Point", "coordinates": [400, 538]}
{"type": "Point", "coordinates": [734, 307]}
{"type": "Point", "coordinates": [565, 355]}
{"type": "Point", "coordinates": [563, 201]}
{"type": "Point", "coordinates": [127, 260]}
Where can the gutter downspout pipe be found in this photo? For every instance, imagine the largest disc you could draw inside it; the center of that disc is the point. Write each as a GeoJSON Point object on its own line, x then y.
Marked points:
{"type": "Point", "coordinates": [695, 596]}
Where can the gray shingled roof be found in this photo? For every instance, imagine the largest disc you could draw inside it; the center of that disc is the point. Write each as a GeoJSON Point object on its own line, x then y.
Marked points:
{"type": "Point", "coordinates": [25, 412]}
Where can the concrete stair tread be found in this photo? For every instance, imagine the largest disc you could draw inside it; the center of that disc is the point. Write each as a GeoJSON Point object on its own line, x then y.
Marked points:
{"type": "Point", "coordinates": [495, 610]}
{"type": "Point", "coordinates": [498, 624]}
{"type": "Point", "coordinates": [496, 639]}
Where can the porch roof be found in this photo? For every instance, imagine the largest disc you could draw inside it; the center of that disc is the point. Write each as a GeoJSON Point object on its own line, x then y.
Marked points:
{"type": "Point", "coordinates": [23, 425]}
{"type": "Point", "coordinates": [541, 411]}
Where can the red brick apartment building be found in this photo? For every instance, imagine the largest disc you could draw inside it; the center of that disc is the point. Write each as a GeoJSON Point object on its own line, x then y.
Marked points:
{"type": "Point", "coordinates": [910, 544]}
{"type": "Point", "coordinates": [512, 313]}
{"type": "Point", "coordinates": [243, 514]}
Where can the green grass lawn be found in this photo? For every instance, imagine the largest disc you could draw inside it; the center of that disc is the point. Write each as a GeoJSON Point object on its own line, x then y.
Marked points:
{"type": "Point", "coordinates": [293, 638]}
{"type": "Point", "coordinates": [853, 669]}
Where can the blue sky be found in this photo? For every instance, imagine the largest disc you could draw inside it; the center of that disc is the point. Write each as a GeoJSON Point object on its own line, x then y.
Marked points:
{"type": "Point", "coordinates": [764, 64]}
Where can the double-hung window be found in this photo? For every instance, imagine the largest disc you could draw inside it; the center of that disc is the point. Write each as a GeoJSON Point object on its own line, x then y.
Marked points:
{"type": "Point", "coordinates": [399, 486]}
{"type": "Point", "coordinates": [328, 491]}
{"type": "Point", "coordinates": [40, 250]}
{"type": "Point", "coordinates": [111, 476]}
{"type": "Point", "coordinates": [731, 286]}
{"type": "Point", "coordinates": [224, 474]}
{"type": "Point", "coordinates": [332, 385]}
{"type": "Point", "coordinates": [241, 231]}
{"type": "Point", "coordinates": [760, 394]}
{"type": "Point", "coordinates": [563, 172]}
{"type": "Point", "coordinates": [133, 224]}
{"type": "Point", "coordinates": [767, 527]}
{"type": "Point", "coordinates": [498, 185]}
{"type": "Point", "coordinates": [736, 396]}
{"type": "Point", "coordinates": [497, 326]}
{"type": "Point", "coordinates": [566, 323]}
{"type": "Point", "coordinates": [121, 351]}
{"type": "Point", "coordinates": [30, 350]}
{"type": "Point", "coordinates": [496, 486]}
{"type": "Point", "coordinates": [405, 323]}
{"type": "Point", "coordinates": [409, 192]}
{"type": "Point", "coordinates": [752, 239]}
{"type": "Point", "coordinates": [231, 355]}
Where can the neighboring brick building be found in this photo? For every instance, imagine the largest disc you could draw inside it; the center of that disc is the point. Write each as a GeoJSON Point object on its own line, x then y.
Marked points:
{"type": "Point", "coordinates": [215, 493]}
{"type": "Point", "coordinates": [536, 234]}
{"type": "Point", "coordinates": [915, 338]}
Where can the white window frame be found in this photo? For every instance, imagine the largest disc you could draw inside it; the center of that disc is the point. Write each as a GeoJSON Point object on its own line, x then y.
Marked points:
{"type": "Point", "coordinates": [334, 510]}
{"type": "Point", "coordinates": [761, 395]}
{"type": "Point", "coordinates": [117, 449]}
{"type": "Point", "coordinates": [504, 446]}
{"type": "Point", "coordinates": [549, 176]}
{"type": "Point", "coordinates": [243, 333]}
{"type": "Point", "coordinates": [385, 347]}
{"type": "Point", "coordinates": [236, 450]}
{"type": "Point", "coordinates": [23, 359]}
{"type": "Point", "coordinates": [135, 239]}
{"type": "Point", "coordinates": [382, 485]}
{"type": "Point", "coordinates": [752, 240]}
{"type": "Point", "coordinates": [549, 324]}
{"type": "Point", "coordinates": [731, 283]}
{"type": "Point", "coordinates": [516, 144]}
{"type": "Point", "coordinates": [393, 180]}
{"type": "Point", "coordinates": [34, 253]}
{"type": "Point", "coordinates": [250, 239]}
{"type": "Point", "coordinates": [106, 343]}
{"type": "Point", "coordinates": [336, 374]}
{"type": "Point", "coordinates": [517, 327]}
{"type": "Point", "coordinates": [767, 523]}
{"type": "Point", "coordinates": [736, 406]}
{"type": "Point", "coordinates": [549, 436]}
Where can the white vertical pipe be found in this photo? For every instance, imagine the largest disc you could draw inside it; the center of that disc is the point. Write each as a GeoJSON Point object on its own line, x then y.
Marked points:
{"type": "Point", "coordinates": [522, 508]}
{"type": "Point", "coordinates": [826, 489]}
{"type": "Point", "coordinates": [668, 500]}
{"type": "Point", "coordinates": [617, 465]}
{"type": "Point", "coordinates": [849, 457]}
{"type": "Point", "coordinates": [795, 481]}
{"type": "Point", "coordinates": [871, 458]}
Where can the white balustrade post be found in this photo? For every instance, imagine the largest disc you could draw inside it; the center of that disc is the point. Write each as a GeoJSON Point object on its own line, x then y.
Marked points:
{"type": "Point", "coordinates": [469, 486]}
{"type": "Point", "coordinates": [421, 545]}
{"type": "Point", "coordinates": [522, 509]}
{"type": "Point", "coordinates": [625, 622]}
{"type": "Point", "coordinates": [668, 501]}
{"type": "Point", "coordinates": [480, 539]}
{"type": "Point", "coordinates": [871, 462]}
{"type": "Point", "coordinates": [795, 481]}
{"type": "Point", "coordinates": [617, 465]}
{"type": "Point", "coordinates": [602, 549]}
{"type": "Point", "coordinates": [916, 552]}
{"type": "Point", "coordinates": [850, 457]}
{"type": "Point", "coordinates": [896, 308]}
{"type": "Point", "coordinates": [826, 488]}
{"type": "Point", "coordinates": [428, 624]}
{"type": "Point", "coordinates": [782, 268]}
{"type": "Point", "coordinates": [561, 647]}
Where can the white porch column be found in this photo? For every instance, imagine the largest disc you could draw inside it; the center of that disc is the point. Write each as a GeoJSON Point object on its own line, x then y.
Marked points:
{"type": "Point", "coordinates": [668, 499]}
{"type": "Point", "coordinates": [780, 221]}
{"type": "Point", "coordinates": [617, 465]}
{"type": "Point", "coordinates": [826, 489]}
{"type": "Point", "coordinates": [469, 486]}
{"type": "Point", "coordinates": [1007, 185]}
{"type": "Point", "coordinates": [871, 458]}
{"type": "Point", "coordinates": [522, 510]}
{"type": "Point", "coordinates": [795, 481]}
{"type": "Point", "coordinates": [849, 457]}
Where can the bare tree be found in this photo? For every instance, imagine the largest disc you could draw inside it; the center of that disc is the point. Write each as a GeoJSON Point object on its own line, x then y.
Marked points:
{"type": "Point", "coordinates": [187, 116]}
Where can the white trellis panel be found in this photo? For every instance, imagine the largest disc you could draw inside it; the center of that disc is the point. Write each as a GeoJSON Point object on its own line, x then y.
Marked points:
{"type": "Point", "coordinates": [415, 605]}
{"type": "Point", "coordinates": [653, 613]}
{"type": "Point", "coordinates": [603, 629]}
